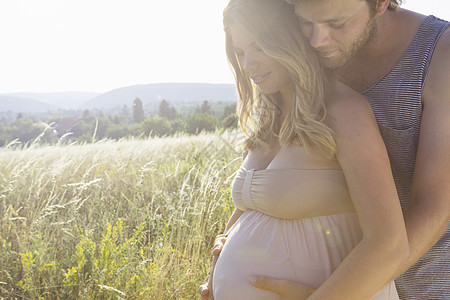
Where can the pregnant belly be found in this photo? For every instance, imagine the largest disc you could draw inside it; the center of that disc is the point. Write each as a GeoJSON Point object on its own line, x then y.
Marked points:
{"type": "Point", "coordinates": [305, 250]}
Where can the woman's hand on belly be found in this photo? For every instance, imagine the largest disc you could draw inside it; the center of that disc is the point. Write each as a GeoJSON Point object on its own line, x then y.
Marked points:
{"type": "Point", "coordinates": [286, 289]}
{"type": "Point", "coordinates": [205, 289]}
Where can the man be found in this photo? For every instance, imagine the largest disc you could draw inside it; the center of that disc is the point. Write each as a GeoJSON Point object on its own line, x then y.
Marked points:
{"type": "Point", "coordinates": [400, 61]}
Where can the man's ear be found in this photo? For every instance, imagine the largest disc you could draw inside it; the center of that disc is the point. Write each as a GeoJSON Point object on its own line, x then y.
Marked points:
{"type": "Point", "coordinates": [382, 5]}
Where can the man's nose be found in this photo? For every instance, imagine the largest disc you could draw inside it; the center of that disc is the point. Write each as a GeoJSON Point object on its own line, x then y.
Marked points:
{"type": "Point", "coordinates": [319, 36]}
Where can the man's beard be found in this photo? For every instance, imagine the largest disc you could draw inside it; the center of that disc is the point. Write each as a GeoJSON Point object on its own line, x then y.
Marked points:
{"type": "Point", "coordinates": [364, 39]}
{"type": "Point", "coordinates": [356, 47]}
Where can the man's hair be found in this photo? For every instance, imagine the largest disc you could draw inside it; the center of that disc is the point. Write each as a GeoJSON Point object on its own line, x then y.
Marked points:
{"type": "Point", "coordinates": [393, 4]}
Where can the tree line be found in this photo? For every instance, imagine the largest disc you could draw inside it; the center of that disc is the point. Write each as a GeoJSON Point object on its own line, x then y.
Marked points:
{"type": "Point", "coordinates": [88, 126]}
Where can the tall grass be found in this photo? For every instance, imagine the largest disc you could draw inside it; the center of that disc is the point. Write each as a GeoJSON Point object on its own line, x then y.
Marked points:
{"type": "Point", "coordinates": [128, 219]}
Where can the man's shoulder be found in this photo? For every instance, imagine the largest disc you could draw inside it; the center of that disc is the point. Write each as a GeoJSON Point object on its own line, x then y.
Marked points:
{"type": "Point", "coordinates": [436, 85]}
{"type": "Point", "coordinates": [404, 22]}
{"type": "Point", "coordinates": [430, 34]}
{"type": "Point", "coordinates": [443, 44]}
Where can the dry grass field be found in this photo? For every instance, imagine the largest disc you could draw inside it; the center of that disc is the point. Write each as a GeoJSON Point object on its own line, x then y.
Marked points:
{"type": "Point", "coordinates": [128, 219]}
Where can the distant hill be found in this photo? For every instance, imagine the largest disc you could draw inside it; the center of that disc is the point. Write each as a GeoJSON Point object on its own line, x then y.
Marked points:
{"type": "Point", "coordinates": [64, 100]}
{"type": "Point", "coordinates": [175, 93]}
{"type": "Point", "coordinates": [150, 94]}
{"type": "Point", "coordinates": [23, 105]}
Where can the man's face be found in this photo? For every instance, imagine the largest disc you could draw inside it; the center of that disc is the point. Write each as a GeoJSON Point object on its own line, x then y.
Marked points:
{"type": "Point", "coordinates": [337, 29]}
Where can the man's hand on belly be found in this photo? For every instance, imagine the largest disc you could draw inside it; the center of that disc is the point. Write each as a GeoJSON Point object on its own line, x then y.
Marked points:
{"type": "Point", "coordinates": [288, 290]}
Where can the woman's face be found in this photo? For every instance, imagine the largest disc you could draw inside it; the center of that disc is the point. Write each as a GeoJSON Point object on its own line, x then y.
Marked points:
{"type": "Point", "coordinates": [263, 70]}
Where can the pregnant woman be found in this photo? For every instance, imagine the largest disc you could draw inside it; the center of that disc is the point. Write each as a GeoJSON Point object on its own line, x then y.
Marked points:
{"type": "Point", "coordinates": [315, 198]}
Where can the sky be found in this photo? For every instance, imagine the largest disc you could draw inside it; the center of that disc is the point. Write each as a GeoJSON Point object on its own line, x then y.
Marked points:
{"type": "Point", "coordinates": [100, 45]}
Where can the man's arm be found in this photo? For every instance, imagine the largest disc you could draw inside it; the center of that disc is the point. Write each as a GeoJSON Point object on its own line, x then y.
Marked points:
{"type": "Point", "coordinates": [428, 211]}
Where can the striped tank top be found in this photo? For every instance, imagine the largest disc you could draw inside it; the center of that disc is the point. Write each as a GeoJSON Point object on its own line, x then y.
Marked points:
{"type": "Point", "coordinates": [397, 104]}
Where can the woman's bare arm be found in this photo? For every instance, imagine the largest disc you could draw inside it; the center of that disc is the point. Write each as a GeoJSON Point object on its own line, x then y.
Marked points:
{"type": "Point", "coordinates": [365, 163]}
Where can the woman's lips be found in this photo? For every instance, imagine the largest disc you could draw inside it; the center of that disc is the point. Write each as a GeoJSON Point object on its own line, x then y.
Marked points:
{"type": "Point", "coordinates": [257, 79]}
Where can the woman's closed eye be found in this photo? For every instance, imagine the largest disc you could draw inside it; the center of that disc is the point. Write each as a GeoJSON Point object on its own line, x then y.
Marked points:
{"type": "Point", "coordinates": [254, 50]}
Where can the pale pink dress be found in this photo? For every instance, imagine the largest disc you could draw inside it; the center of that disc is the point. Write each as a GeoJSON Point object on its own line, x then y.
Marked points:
{"type": "Point", "coordinates": [298, 225]}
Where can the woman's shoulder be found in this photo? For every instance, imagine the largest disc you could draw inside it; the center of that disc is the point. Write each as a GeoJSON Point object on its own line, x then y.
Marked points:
{"type": "Point", "coordinates": [351, 118]}
{"type": "Point", "coordinates": [344, 99]}
{"type": "Point", "coordinates": [347, 108]}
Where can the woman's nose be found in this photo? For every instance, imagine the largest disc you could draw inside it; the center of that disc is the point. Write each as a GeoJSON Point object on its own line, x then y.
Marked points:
{"type": "Point", "coordinates": [249, 63]}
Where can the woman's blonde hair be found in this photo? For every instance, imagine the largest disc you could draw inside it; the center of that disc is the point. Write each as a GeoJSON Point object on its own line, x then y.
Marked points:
{"type": "Point", "coordinates": [275, 29]}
